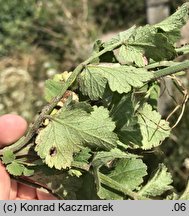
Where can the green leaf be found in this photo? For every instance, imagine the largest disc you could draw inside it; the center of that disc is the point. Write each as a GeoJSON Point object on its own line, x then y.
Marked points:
{"type": "Point", "coordinates": [151, 43]}
{"type": "Point", "coordinates": [94, 78]}
{"type": "Point", "coordinates": [103, 157]}
{"type": "Point", "coordinates": [155, 42]}
{"type": "Point", "coordinates": [121, 37]}
{"type": "Point", "coordinates": [83, 155]}
{"type": "Point", "coordinates": [124, 114]}
{"type": "Point", "coordinates": [15, 168]}
{"type": "Point", "coordinates": [75, 172]}
{"type": "Point", "coordinates": [158, 184]}
{"type": "Point", "coordinates": [153, 129]}
{"type": "Point", "coordinates": [92, 84]}
{"type": "Point", "coordinates": [130, 55]}
{"type": "Point", "coordinates": [146, 130]}
{"type": "Point", "coordinates": [8, 156]}
{"type": "Point", "coordinates": [52, 89]}
{"type": "Point", "coordinates": [172, 25]}
{"type": "Point", "coordinates": [28, 172]}
{"type": "Point", "coordinates": [71, 129]}
{"type": "Point", "coordinates": [129, 173]}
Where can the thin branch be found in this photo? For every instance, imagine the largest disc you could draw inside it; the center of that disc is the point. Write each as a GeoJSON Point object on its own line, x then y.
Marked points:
{"type": "Point", "coordinates": [184, 91]}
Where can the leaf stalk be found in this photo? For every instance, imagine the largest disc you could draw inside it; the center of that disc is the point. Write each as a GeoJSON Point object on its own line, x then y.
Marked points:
{"type": "Point", "coordinates": [170, 70]}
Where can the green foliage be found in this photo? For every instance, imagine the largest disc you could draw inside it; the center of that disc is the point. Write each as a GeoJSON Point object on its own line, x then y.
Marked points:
{"type": "Point", "coordinates": [153, 128]}
{"type": "Point", "coordinates": [69, 130]}
{"type": "Point", "coordinates": [142, 128]}
{"type": "Point", "coordinates": [52, 88]}
{"type": "Point", "coordinates": [99, 142]}
{"type": "Point", "coordinates": [158, 184]}
{"type": "Point", "coordinates": [8, 157]}
{"type": "Point", "coordinates": [15, 167]}
{"type": "Point", "coordinates": [128, 174]}
{"type": "Point", "coordinates": [18, 169]}
{"type": "Point", "coordinates": [172, 24]}
{"type": "Point", "coordinates": [93, 79]}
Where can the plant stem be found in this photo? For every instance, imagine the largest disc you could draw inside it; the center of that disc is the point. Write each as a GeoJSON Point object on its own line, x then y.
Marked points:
{"type": "Point", "coordinates": [49, 107]}
{"type": "Point", "coordinates": [118, 187]}
{"type": "Point", "coordinates": [161, 64]}
{"type": "Point", "coordinates": [171, 70]}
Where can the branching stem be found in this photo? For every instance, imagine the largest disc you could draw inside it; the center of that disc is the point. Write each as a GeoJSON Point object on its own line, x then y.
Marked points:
{"type": "Point", "coordinates": [49, 107]}
{"type": "Point", "coordinates": [176, 67]}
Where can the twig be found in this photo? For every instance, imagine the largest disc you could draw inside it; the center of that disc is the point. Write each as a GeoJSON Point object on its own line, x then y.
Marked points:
{"type": "Point", "coordinates": [183, 104]}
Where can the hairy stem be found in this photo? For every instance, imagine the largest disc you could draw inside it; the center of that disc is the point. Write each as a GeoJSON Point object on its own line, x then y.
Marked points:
{"type": "Point", "coordinates": [161, 64]}
{"type": "Point", "coordinates": [175, 67]}
{"type": "Point", "coordinates": [171, 70]}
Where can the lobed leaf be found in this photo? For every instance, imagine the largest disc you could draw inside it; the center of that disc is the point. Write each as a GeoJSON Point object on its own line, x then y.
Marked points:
{"type": "Point", "coordinates": [128, 173]}
{"type": "Point", "coordinates": [15, 168]}
{"type": "Point", "coordinates": [8, 156]}
{"type": "Point", "coordinates": [155, 42]}
{"type": "Point", "coordinates": [52, 89]}
{"type": "Point", "coordinates": [94, 79]}
{"type": "Point", "coordinates": [72, 129]}
{"type": "Point", "coordinates": [153, 129]}
{"type": "Point", "coordinates": [129, 55]}
{"type": "Point", "coordinates": [145, 129]}
{"type": "Point", "coordinates": [158, 184]}
{"type": "Point", "coordinates": [83, 155]}
{"type": "Point", "coordinates": [173, 24]}
{"type": "Point", "coordinates": [103, 157]}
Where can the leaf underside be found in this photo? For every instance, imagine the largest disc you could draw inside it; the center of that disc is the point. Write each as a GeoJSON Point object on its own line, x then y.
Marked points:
{"type": "Point", "coordinates": [72, 129]}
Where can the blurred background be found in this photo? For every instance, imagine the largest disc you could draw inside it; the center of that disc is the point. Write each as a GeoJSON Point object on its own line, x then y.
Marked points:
{"type": "Point", "coordinates": [39, 38]}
